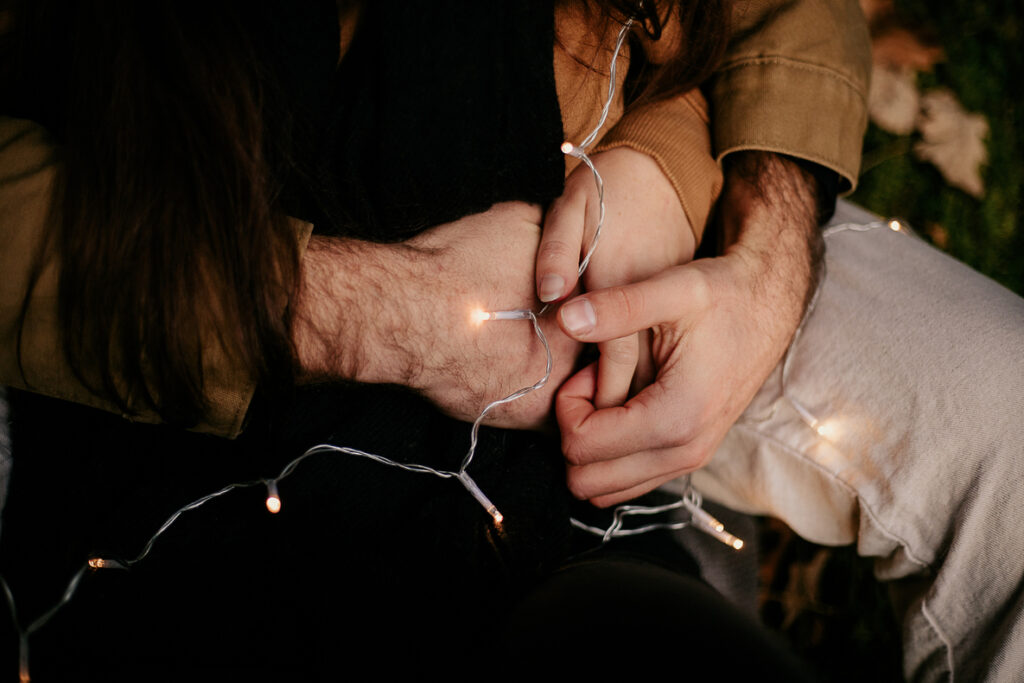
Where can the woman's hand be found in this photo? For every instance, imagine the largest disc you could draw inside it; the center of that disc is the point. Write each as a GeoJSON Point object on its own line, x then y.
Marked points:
{"type": "Point", "coordinates": [645, 231]}
{"type": "Point", "coordinates": [403, 314]}
{"type": "Point", "coordinates": [720, 325]}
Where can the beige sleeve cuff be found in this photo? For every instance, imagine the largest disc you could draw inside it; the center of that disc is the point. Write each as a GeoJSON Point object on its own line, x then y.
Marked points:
{"type": "Point", "coordinates": [795, 82]}
{"type": "Point", "coordinates": [674, 133]}
{"type": "Point", "coordinates": [28, 164]}
{"type": "Point", "coordinates": [757, 108]}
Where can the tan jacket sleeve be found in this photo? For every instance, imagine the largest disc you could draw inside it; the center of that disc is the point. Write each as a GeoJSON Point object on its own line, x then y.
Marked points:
{"type": "Point", "coordinates": [795, 81]}
{"type": "Point", "coordinates": [675, 133]}
{"type": "Point", "coordinates": [28, 165]}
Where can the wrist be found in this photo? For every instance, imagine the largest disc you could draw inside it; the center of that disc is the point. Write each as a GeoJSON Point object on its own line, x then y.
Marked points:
{"type": "Point", "coordinates": [350, 314]}
{"type": "Point", "coordinates": [769, 222]}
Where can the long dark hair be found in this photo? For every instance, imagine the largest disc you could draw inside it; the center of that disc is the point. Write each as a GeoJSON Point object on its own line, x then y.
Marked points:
{"type": "Point", "coordinates": [704, 25]}
{"type": "Point", "coordinates": [168, 216]}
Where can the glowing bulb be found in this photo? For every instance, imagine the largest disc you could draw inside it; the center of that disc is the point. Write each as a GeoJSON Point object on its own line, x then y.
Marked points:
{"type": "Point", "coordinates": [894, 225]}
{"type": "Point", "coordinates": [100, 563]}
{"type": "Point", "coordinates": [828, 430]}
{"type": "Point", "coordinates": [481, 498]}
{"type": "Point", "coordinates": [273, 499]}
{"type": "Point", "coordinates": [519, 314]}
{"type": "Point", "coordinates": [567, 147]}
{"type": "Point", "coordinates": [702, 519]}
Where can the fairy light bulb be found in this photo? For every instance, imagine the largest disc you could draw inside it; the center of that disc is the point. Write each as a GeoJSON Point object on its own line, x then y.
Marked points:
{"type": "Point", "coordinates": [481, 498]}
{"type": "Point", "coordinates": [273, 498]}
{"type": "Point", "coordinates": [104, 563]}
{"type": "Point", "coordinates": [829, 429]}
{"type": "Point", "coordinates": [519, 314]}
{"type": "Point", "coordinates": [704, 521]}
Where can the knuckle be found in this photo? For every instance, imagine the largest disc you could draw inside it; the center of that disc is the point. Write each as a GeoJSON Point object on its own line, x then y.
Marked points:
{"type": "Point", "coordinates": [556, 251]}
{"type": "Point", "coordinates": [700, 458]}
{"type": "Point", "coordinates": [576, 481]}
{"type": "Point", "coordinates": [628, 302]}
{"type": "Point", "coordinates": [621, 351]}
{"type": "Point", "coordinates": [573, 450]}
{"type": "Point", "coordinates": [698, 291]}
{"type": "Point", "coordinates": [679, 432]}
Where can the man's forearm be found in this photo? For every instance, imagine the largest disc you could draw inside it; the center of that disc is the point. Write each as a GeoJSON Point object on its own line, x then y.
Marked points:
{"type": "Point", "coordinates": [401, 314]}
{"type": "Point", "coordinates": [349, 314]}
{"type": "Point", "coordinates": [768, 216]}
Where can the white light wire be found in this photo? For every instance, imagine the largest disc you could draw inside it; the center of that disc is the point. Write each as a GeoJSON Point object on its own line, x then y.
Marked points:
{"type": "Point", "coordinates": [580, 151]}
{"type": "Point", "coordinates": [893, 224]}
{"type": "Point", "coordinates": [691, 501]}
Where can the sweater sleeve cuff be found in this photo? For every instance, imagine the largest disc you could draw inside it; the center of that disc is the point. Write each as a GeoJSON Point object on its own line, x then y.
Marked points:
{"type": "Point", "coordinates": [229, 390]}
{"type": "Point", "coordinates": [28, 163]}
{"type": "Point", "coordinates": [773, 103]}
{"type": "Point", "coordinates": [674, 133]}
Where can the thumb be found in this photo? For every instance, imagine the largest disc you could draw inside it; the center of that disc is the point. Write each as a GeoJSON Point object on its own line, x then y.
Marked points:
{"type": "Point", "coordinates": [673, 295]}
{"type": "Point", "coordinates": [558, 256]}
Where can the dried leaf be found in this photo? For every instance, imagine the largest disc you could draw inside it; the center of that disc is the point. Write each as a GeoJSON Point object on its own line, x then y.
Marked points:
{"type": "Point", "coordinates": [875, 9]}
{"type": "Point", "coordinates": [954, 140]}
{"type": "Point", "coordinates": [804, 590]}
{"type": "Point", "coordinates": [897, 46]}
{"type": "Point", "coordinates": [938, 234]}
{"type": "Point", "coordinates": [893, 101]}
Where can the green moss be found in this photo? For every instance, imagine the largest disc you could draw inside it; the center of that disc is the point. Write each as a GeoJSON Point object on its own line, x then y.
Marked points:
{"type": "Point", "coordinates": [983, 65]}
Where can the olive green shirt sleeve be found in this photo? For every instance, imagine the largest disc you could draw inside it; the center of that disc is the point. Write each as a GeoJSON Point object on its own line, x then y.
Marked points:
{"type": "Point", "coordinates": [31, 346]}
{"type": "Point", "coordinates": [794, 81]}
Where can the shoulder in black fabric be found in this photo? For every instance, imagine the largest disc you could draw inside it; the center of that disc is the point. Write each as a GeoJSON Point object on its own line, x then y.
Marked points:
{"type": "Point", "coordinates": [441, 110]}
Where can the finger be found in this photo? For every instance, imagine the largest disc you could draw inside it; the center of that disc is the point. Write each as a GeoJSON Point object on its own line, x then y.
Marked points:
{"type": "Point", "coordinates": [615, 370]}
{"type": "Point", "coordinates": [624, 478]}
{"type": "Point", "coordinates": [645, 367]}
{"type": "Point", "coordinates": [674, 295]}
{"type": "Point", "coordinates": [558, 257]}
{"type": "Point", "coordinates": [647, 421]}
{"type": "Point", "coordinates": [634, 491]}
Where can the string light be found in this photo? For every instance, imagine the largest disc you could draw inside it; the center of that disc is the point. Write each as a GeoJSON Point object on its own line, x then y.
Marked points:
{"type": "Point", "coordinates": [273, 498]}
{"type": "Point", "coordinates": [691, 501]}
{"type": "Point", "coordinates": [483, 316]}
{"type": "Point", "coordinates": [829, 430]}
{"type": "Point", "coordinates": [481, 498]}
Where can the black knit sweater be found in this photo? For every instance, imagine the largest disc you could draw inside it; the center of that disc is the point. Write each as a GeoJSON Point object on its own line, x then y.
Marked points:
{"type": "Point", "coordinates": [438, 110]}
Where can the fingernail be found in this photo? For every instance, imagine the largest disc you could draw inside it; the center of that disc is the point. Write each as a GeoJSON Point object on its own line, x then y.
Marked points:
{"type": "Point", "coordinates": [551, 287]}
{"type": "Point", "coordinates": [578, 316]}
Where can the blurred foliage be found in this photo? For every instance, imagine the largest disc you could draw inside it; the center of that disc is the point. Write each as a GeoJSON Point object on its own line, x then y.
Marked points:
{"type": "Point", "coordinates": [983, 63]}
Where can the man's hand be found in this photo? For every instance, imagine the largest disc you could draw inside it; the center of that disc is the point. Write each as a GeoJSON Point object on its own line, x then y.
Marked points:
{"type": "Point", "coordinates": [646, 231]}
{"type": "Point", "coordinates": [402, 314]}
{"type": "Point", "coordinates": [720, 326]}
